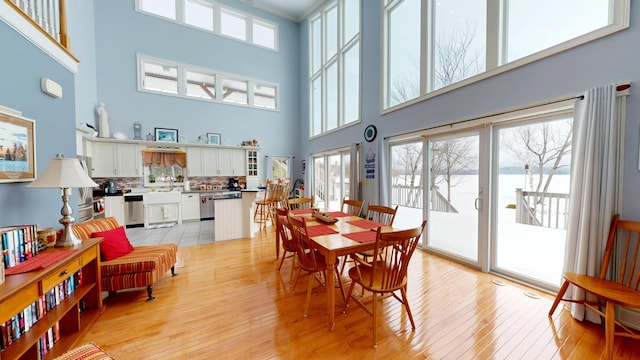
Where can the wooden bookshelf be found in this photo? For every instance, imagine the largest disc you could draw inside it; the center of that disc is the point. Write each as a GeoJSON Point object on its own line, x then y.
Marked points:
{"type": "Point", "coordinates": [75, 314]}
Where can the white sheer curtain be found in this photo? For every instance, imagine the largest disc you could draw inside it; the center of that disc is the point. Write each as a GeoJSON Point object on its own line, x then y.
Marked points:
{"type": "Point", "coordinates": [354, 179]}
{"type": "Point", "coordinates": [594, 186]}
{"type": "Point", "coordinates": [383, 171]}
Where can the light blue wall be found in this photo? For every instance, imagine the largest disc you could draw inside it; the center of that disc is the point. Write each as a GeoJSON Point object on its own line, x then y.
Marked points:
{"type": "Point", "coordinates": [22, 65]}
{"type": "Point", "coordinates": [613, 59]}
{"type": "Point", "coordinates": [121, 32]}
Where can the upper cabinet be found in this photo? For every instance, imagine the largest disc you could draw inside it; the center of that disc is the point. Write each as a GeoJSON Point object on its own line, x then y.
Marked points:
{"type": "Point", "coordinates": [123, 158]}
{"type": "Point", "coordinates": [110, 159]}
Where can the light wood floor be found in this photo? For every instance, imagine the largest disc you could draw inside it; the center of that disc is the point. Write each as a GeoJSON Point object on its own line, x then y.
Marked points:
{"type": "Point", "coordinates": [230, 302]}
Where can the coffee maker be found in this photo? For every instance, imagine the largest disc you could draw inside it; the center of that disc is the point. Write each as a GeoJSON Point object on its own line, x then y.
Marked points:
{"type": "Point", "coordinates": [234, 184]}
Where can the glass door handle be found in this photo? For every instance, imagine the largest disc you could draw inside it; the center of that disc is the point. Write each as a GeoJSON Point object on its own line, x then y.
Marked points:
{"type": "Point", "coordinates": [478, 204]}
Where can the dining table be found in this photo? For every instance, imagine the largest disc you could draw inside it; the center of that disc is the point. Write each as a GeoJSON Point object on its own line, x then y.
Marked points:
{"type": "Point", "coordinates": [350, 234]}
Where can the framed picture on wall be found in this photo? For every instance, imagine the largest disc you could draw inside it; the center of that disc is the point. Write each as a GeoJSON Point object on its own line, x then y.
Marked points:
{"type": "Point", "coordinates": [166, 135]}
{"type": "Point", "coordinates": [214, 138]}
{"type": "Point", "coordinates": [17, 147]}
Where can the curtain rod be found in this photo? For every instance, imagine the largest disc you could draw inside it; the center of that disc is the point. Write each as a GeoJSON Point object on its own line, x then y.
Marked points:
{"type": "Point", "coordinates": [620, 87]}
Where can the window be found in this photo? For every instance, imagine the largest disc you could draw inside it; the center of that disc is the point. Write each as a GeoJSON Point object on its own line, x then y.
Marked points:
{"type": "Point", "coordinates": [210, 16]}
{"type": "Point", "coordinates": [164, 8]}
{"type": "Point", "coordinates": [199, 14]}
{"type": "Point", "coordinates": [232, 24]}
{"type": "Point", "coordinates": [183, 80]}
{"type": "Point", "coordinates": [160, 77]}
{"type": "Point", "coordinates": [461, 41]}
{"type": "Point", "coordinates": [264, 34]}
{"type": "Point", "coordinates": [331, 178]}
{"type": "Point", "coordinates": [200, 85]}
{"type": "Point", "coordinates": [334, 64]}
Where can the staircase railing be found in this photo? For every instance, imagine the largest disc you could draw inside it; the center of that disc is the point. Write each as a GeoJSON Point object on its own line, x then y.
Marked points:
{"type": "Point", "coordinates": [48, 16]}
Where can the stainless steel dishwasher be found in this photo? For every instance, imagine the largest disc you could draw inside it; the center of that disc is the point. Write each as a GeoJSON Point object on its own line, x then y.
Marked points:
{"type": "Point", "coordinates": [207, 207]}
{"type": "Point", "coordinates": [133, 211]}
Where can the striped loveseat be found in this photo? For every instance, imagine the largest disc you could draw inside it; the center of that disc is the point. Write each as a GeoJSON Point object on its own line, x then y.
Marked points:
{"type": "Point", "coordinates": [139, 268]}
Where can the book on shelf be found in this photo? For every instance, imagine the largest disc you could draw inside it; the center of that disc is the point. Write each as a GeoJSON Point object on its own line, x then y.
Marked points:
{"type": "Point", "coordinates": [19, 243]}
{"type": "Point", "coordinates": [19, 324]}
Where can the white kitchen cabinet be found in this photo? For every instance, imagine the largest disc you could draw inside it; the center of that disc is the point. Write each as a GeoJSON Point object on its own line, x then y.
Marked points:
{"type": "Point", "coordinates": [190, 207]}
{"type": "Point", "coordinates": [231, 162]}
{"type": "Point", "coordinates": [110, 159]}
{"type": "Point", "coordinates": [252, 163]}
{"type": "Point", "coordinates": [202, 161]}
{"type": "Point", "coordinates": [103, 159]}
{"type": "Point", "coordinates": [114, 206]}
{"type": "Point", "coordinates": [211, 165]}
{"type": "Point", "coordinates": [157, 214]}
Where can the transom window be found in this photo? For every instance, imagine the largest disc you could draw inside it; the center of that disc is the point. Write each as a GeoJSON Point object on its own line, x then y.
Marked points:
{"type": "Point", "coordinates": [219, 19]}
{"type": "Point", "coordinates": [462, 41]}
{"type": "Point", "coordinates": [334, 66]}
{"type": "Point", "coordinates": [170, 78]}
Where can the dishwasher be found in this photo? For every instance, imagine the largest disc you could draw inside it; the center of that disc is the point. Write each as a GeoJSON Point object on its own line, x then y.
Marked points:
{"type": "Point", "coordinates": [133, 211]}
{"type": "Point", "coordinates": [207, 208]}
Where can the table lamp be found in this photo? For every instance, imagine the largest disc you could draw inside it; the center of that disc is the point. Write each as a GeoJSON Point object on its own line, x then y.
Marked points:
{"type": "Point", "coordinates": [64, 173]}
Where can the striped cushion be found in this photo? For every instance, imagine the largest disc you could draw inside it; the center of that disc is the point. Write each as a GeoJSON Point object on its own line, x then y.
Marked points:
{"type": "Point", "coordinates": [84, 229]}
{"type": "Point", "coordinates": [89, 351]}
{"type": "Point", "coordinates": [140, 268]}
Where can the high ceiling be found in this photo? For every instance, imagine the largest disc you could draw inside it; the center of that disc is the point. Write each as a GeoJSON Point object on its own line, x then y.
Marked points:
{"type": "Point", "coordinates": [295, 10]}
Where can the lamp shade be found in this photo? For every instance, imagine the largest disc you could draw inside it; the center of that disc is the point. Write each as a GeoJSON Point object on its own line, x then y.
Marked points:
{"type": "Point", "coordinates": [61, 173]}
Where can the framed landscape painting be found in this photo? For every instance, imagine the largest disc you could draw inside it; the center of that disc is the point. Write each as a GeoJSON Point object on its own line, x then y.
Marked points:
{"type": "Point", "coordinates": [17, 148]}
{"type": "Point", "coordinates": [166, 135]}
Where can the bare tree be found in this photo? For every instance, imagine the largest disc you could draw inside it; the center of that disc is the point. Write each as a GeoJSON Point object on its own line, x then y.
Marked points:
{"type": "Point", "coordinates": [541, 147]}
{"type": "Point", "coordinates": [455, 60]}
{"type": "Point", "coordinates": [449, 157]}
{"type": "Point", "coordinates": [406, 166]}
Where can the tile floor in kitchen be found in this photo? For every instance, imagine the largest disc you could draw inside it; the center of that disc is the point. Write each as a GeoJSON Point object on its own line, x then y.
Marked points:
{"type": "Point", "coordinates": [185, 234]}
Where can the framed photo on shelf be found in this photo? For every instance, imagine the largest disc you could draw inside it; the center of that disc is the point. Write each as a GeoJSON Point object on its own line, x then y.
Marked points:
{"type": "Point", "coordinates": [17, 147]}
{"type": "Point", "coordinates": [214, 138]}
{"type": "Point", "coordinates": [166, 135]}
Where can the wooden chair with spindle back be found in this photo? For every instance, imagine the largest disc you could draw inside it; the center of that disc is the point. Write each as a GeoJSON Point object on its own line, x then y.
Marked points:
{"type": "Point", "coordinates": [388, 273]}
{"type": "Point", "coordinates": [621, 287]}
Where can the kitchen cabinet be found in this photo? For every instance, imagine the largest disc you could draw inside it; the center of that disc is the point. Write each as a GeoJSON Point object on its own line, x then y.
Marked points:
{"type": "Point", "coordinates": [215, 161]}
{"type": "Point", "coordinates": [157, 214]}
{"type": "Point", "coordinates": [202, 161]}
{"type": "Point", "coordinates": [191, 207]}
{"type": "Point", "coordinates": [231, 162]}
{"type": "Point", "coordinates": [110, 159]}
{"type": "Point", "coordinates": [114, 206]}
{"type": "Point", "coordinates": [252, 163]}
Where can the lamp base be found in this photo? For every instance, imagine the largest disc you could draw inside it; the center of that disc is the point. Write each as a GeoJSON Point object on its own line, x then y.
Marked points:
{"type": "Point", "coordinates": [68, 238]}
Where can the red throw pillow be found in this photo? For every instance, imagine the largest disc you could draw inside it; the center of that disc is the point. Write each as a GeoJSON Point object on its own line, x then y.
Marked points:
{"type": "Point", "coordinates": [115, 243]}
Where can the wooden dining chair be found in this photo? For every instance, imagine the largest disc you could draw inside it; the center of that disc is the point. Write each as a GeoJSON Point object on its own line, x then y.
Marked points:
{"type": "Point", "coordinates": [388, 273]}
{"type": "Point", "coordinates": [264, 206]}
{"type": "Point", "coordinates": [621, 287]}
{"type": "Point", "coordinates": [382, 214]}
{"type": "Point", "coordinates": [351, 207]}
{"type": "Point", "coordinates": [300, 203]}
{"type": "Point", "coordinates": [285, 238]}
{"type": "Point", "coordinates": [308, 259]}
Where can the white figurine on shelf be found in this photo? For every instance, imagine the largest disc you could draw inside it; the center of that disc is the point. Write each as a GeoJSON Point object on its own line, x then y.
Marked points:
{"type": "Point", "coordinates": [103, 121]}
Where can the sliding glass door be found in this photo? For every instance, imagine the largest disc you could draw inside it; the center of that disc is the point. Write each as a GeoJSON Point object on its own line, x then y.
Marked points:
{"type": "Point", "coordinates": [495, 198]}
{"type": "Point", "coordinates": [531, 185]}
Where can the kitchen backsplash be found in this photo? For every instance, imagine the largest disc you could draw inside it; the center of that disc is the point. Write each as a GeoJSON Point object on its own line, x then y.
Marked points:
{"type": "Point", "coordinates": [210, 183]}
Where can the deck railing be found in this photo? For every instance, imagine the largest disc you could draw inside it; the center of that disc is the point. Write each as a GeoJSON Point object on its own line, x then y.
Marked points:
{"type": "Point", "coordinates": [48, 16]}
{"type": "Point", "coordinates": [412, 197]}
{"type": "Point", "coordinates": [542, 209]}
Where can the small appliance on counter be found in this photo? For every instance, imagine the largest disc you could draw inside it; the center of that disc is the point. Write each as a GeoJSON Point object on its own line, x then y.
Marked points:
{"type": "Point", "coordinates": [110, 187]}
{"type": "Point", "coordinates": [234, 184]}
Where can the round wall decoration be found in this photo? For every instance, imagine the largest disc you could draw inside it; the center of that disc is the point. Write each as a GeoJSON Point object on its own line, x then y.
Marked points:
{"type": "Point", "coordinates": [370, 133]}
